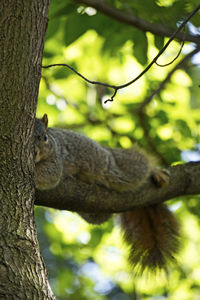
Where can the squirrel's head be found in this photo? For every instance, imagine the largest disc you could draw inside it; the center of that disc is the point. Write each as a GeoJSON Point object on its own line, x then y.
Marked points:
{"type": "Point", "coordinates": [40, 137]}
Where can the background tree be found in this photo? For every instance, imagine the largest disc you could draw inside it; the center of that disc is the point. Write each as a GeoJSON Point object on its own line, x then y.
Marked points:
{"type": "Point", "coordinates": [110, 42]}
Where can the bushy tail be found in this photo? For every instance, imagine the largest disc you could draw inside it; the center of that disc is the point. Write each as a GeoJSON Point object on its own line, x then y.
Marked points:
{"type": "Point", "coordinates": [153, 235]}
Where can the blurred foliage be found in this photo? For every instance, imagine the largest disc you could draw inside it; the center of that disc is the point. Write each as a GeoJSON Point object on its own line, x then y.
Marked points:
{"type": "Point", "coordinates": [87, 262]}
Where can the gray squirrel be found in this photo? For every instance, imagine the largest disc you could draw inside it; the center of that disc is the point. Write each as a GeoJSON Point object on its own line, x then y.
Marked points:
{"type": "Point", "coordinates": [152, 231]}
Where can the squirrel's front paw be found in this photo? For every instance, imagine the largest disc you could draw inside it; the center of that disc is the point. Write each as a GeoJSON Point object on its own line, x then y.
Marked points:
{"type": "Point", "coordinates": [161, 177]}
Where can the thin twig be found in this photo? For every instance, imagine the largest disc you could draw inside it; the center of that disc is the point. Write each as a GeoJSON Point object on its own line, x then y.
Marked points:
{"type": "Point", "coordinates": [117, 87]}
{"type": "Point", "coordinates": [175, 58]}
{"type": "Point", "coordinates": [82, 76]}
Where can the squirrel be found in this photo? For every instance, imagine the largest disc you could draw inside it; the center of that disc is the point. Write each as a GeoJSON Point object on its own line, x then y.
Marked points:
{"type": "Point", "coordinates": [152, 232]}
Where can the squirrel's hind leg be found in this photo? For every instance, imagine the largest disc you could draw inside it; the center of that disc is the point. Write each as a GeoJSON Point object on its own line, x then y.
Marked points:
{"type": "Point", "coordinates": [161, 177]}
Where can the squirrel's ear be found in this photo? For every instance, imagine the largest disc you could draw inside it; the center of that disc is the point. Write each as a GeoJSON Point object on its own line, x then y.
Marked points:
{"type": "Point", "coordinates": [45, 120]}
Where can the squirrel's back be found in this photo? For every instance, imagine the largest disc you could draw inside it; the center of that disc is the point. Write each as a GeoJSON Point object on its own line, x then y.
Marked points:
{"type": "Point", "coordinates": [119, 169]}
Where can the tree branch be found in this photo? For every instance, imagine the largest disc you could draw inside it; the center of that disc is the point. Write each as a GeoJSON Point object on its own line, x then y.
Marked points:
{"type": "Point", "coordinates": [75, 195]}
{"type": "Point", "coordinates": [135, 21]}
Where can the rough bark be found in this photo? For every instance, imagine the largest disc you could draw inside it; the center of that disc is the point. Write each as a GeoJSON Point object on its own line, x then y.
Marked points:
{"type": "Point", "coordinates": [22, 29]}
{"type": "Point", "coordinates": [74, 195]}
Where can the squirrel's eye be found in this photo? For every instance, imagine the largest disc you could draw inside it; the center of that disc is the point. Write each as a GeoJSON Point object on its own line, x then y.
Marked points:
{"type": "Point", "coordinates": [45, 138]}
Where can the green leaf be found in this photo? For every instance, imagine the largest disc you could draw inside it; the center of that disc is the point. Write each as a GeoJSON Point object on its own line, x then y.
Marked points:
{"type": "Point", "coordinates": [159, 42]}
{"type": "Point", "coordinates": [65, 10]}
{"type": "Point", "coordinates": [183, 127]}
{"type": "Point", "coordinates": [48, 54]}
{"type": "Point", "coordinates": [59, 8]}
{"type": "Point", "coordinates": [140, 47]}
{"type": "Point", "coordinates": [75, 26]}
{"type": "Point", "coordinates": [61, 73]}
{"type": "Point", "coordinates": [53, 27]}
{"type": "Point", "coordinates": [163, 117]}
{"type": "Point", "coordinates": [96, 236]}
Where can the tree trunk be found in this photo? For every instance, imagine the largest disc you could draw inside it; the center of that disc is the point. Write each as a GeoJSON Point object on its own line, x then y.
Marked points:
{"type": "Point", "coordinates": [22, 29]}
